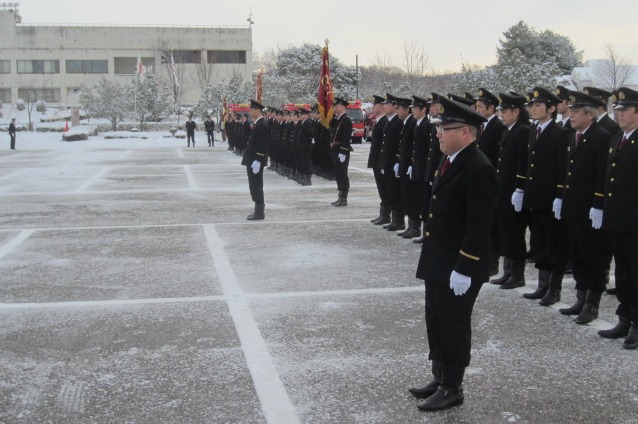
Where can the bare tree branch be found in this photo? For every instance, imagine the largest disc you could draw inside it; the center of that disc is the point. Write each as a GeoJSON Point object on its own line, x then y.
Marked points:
{"type": "Point", "coordinates": [612, 72]}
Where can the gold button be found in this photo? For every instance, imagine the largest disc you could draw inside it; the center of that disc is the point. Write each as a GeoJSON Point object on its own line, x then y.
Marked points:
{"type": "Point", "coordinates": [532, 165]}
{"type": "Point", "coordinates": [533, 152]}
{"type": "Point", "coordinates": [431, 215]}
{"type": "Point", "coordinates": [612, 180]}
{"type": "Point", "coordinates": [434, 197]}
{"type": "Point", "coordinates": [613, 164]}
{"type": "Point", "coordinates": [609, 194]}
{"type": "Point", "coordinates": [567, 186]}
{"type": "Point", "coordinates": [571, 161]}
{"type": "Point", "coordinates": [427, 234]}
{"type": "Point", "coordinates": [569, 173]}
{"type": "Point", "coordinates": [530, 178]}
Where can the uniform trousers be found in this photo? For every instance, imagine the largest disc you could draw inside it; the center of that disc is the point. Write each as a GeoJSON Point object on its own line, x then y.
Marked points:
{"type": "Point", "coordinates": [211, 138]}
{"type": "Point", "coordinates": [13, 142]}
{"type": "Point", "coordinates": [382, 189]}
{"type": "Point", "coordinates": [410, 197]}
{"type": "Point", "coordinates": [549, 241]}
{"type": "Point", "coordinates": [256, 184]}
{"type": "Point", "coordinates": [448, 320]}
{"type": "Point", "coordinates": [341, 171]}
{"type": "Point", "coordinates": [393, 185]}
{"type": "Point", "coordinates": [512, 225]}
{"type": "Point", "coordinates": [587, 255]}
{"type": "Point", "coordinates": [623, 246]}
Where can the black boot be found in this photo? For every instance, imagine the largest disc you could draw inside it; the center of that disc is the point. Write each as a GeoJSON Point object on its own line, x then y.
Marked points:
{"type": "Point", "coordinates": [407, 230]}
{"type": "Point", "coordinates": [553, 293]}
{"type": "Point", "coordinates": [449, 393]}
{"type": "Point", "coordinates": [344, 199]}
{"type": "Point", "coordinates": [621, 329]}
{"type": "Point", "coordinates": [543, 281]}
{"type": "Point", "coordinates": [414, 230]}
{"type": "Point", "coordinates": [378, 218]}
{"type": "Point", "coordinates": [577, 307]}
{"type": "Point", "coordinates": [421, 239]}
{"type": "Point", "coordinates": [517, 277]}
{"type": "Point", "coordinates": [258, 215]}
{"type": "Point", "coordinates": [338, 199]}
{"type": "Point", "coordinates": [384, 217]}
{"type": "Point", "coordinates": [430, 388]}
{"type": "Point", "coordinates": [631, 342]}
{"type": "Point", "coordinates": [590, 310]}
{"type": "Point", "coordinates": [391, 221]}
{"type": "Point", "coordinates": [507, 271]}
{"type": "Point", "coordinates": [494, 262]}
{"type": "Point", "coordinates": [398, 223]}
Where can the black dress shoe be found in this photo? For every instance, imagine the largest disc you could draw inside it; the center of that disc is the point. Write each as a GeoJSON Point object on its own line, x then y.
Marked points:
{"type": "Point", "coordinates": [419, 240]}
{"type": "Point", "coordinates": [631, 342]}
{"type": "Point", "coordinates": [612, 291]}
{"type": "Point", "coordinates": [441, 399]}
{"type": "Point", "coordinates": [425, 391]}
{"type": "Point", "coordinates": [552, 296]}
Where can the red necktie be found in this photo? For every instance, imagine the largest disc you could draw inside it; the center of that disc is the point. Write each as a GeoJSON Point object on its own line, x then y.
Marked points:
{"type": "Point", "coordinates": [445, 166]}
{"type": "Point", "coordinates": [480, 130]}
{"type": "Point", "coordinates": [622, 143]}
{"type": "Point", "coordinates": [579, 138]}
{"type": "Point", "coordinates": [538, 132]}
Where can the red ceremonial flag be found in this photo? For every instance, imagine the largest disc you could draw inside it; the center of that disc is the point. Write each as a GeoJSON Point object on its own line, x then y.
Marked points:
{"type": "Point", "coordinates": [260, 86]}
{"type": "Point", "coordinates": [325, 96]}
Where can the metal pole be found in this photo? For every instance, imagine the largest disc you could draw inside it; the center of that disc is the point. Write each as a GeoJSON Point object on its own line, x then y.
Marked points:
{"type": "Point", "coordinates": [357, 71]}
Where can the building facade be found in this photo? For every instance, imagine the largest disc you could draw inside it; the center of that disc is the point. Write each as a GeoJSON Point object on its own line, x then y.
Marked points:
{"type": "Point", "coordinates": [52, 62]}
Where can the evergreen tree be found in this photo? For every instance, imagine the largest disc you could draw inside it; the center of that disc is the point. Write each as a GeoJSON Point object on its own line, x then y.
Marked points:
{"type": "Point", "coordinates": [106, 99]}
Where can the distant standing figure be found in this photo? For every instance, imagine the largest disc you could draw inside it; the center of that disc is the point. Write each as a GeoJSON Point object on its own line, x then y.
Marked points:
{"type": "Point", "coordinates": [12, 133]}
{"type": "Point", "coordinates": [190, 131]}
{"type": "Point", "coordinates": [209, 126]}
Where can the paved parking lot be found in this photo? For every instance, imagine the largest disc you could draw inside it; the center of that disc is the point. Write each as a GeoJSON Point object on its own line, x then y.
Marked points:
{"type": "Point", "coordinates": [133, 290]}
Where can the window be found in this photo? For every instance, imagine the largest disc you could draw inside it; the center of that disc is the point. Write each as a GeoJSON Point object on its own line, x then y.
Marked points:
{"type": "Point", "coordinates": [226, 56]}
{"type": "Point", "coordinates": [38, 66]}
{"type": "Point", "coordinates": [50, 95]}
{"type": "Point", "coordinates": [182, 56]}
{"type": "Point", "coordinates": [128, 65]}
{"type": "Point", "coordinates": [5, 95]}
{"type": "Point", "coordinates": [87, 67]}
{"type": "Point", "coordinates": [5, 66]}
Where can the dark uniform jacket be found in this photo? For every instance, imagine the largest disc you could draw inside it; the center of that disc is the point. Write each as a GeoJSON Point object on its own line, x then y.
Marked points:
{"type": "Point", "coordinates": [610, 125]}
{"type": "Point", "coordinates": [547, 167]}
{"type": "Point", "coordinates": [209, 126]}
{"type": "Point", "coordinates": [434, 157]}
{"type": "Point", "coordinates": [490, 138]}
{"type": "Point", "coordinates": [620, 211]}
{"type": "Point", "coordinates": [12, 129]}
{"type": "Point", "coordinates": [190, 127]}
{"type": "Point", "coordinates": [304, 137]}
{"type": "Point", "coordinates": [257, 146]}
{"type": "Point", "coordinates": [512, 161]}
{"type": "Point", "coordinates": [457, 232]}
{"type": "Point", "coordinates": [389, 153]}
{"type": "Point", "coordinates": [420, 148]}
{"type": "Point", "coordinates": [405, 148]}
{"type": "Point", "coordinates": [340, 134]}
{"type": "Point", "coordinates": [377, 140]}
{"type": "Point", "coordinates": [586, 165]}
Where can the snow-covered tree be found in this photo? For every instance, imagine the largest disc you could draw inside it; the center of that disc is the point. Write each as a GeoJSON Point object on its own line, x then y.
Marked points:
{"type": "Point", "coordinates": [235, 90]}
{"type": "Point", "coordinates": [106, 99]}
{"type": "Point", "coordinates": [148, 99]}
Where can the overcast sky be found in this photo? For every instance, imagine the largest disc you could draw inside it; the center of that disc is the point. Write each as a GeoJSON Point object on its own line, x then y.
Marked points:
{"type": "Point", "coordinates": [451, 32]}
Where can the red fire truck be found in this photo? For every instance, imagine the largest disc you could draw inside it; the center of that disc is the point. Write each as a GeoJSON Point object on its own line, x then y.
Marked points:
{"type": "Point", "coordinates": [358, 116]}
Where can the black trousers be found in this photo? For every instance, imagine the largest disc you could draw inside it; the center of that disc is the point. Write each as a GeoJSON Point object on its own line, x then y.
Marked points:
{"type": "Point", "coordinates": [256, 184]}
{"type": "Point", "coordinates": [587, 253]}
{"type": "Point", "coordinates": [382, 189]}
{"type": "Point", "coordinates": [549, 241]}
{"type": "Point", "coordinates": [512, 225]}
{"type": "Point", "coordinates": [395, 195]}
{"type": "Point", "coordinates": [448, 319]}
{"type": "Point", "coordinates": [623, 246]}
{"type": "Point", "coordinates": [341, 171]}
{"type": "Point", "coordinates": [211, 138]}
{"type": "Point", "coordinates": [410, 197]}
{"type": "Point", "coordinates": [13, 141]}
{"type": "Point", "coordinates": [190, 137]}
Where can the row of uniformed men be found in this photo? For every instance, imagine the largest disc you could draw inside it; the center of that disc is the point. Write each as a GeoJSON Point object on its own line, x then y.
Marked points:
{"type": "Point", "coordinates": [552, 178]}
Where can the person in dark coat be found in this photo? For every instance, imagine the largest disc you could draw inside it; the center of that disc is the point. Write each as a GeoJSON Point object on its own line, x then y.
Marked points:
{"type": "Point", "coordinates": [603, 117]}
{"type": "Point", "coordinates": [408, 196]}
{"type": "Point", "coordinates": [12, 133]}
{"type": "Point", "coordinates": [304, 143]}
{"type": "Point", "coordinates": [490, 135]}
{"type": "Point", "coordinates": [388, 158]}
{"type": "Point", "coordinates": [455, 255]}
{"type": "Point", "coordinates": [511, 170]}
{"type": "Point", "coordinates": [255, 158]}
{"type": "Point", "coordinates": [373, 160]}
{"type": "Point", "coordinates": [619, 216]}
{"type": "Point", "coordinates": [584, 190]}
{"type": "Point", "coordinates": [340, 134]}
{"type": "Point", "coordinates": [544, 183]}
{"type": "Point", "coordinates": [190, 130]}
{"type": "Point", "coordinates": [420, 147]}
{"type": "Point", "coordinates": [209, 126]}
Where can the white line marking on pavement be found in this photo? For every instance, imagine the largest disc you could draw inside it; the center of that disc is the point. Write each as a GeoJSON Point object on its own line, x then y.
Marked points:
{"type": "Point", "coordinates": [180, 153]}
{"type": "Point", "coordinates": [366, 171]}
{"type": "Point", "coordinates": [114, 302]}
{"type": "Point", "coordinates": [14, 242]}
{"type": "Point", "coordinates": [275, 403]}
{"type": "Point", "coordinates": [92, 180]}
{"type": "Point", "coordinates": [13, 174]}
{"type": "Point", "coordinates": [191, 179]}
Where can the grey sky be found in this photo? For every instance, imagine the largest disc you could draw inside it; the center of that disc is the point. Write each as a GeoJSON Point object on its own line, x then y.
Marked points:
{"type": "Point", "coordinates": [450, 32]}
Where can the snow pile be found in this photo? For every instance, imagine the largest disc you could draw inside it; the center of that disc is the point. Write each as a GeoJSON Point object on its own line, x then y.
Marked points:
{"type": "Point", "coordinates": [110, 135]}
{"type": "Point", "coordinates": [79, 133]}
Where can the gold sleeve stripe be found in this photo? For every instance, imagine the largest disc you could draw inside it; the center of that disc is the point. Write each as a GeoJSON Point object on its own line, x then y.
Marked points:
{"type": "Point", "coordinates": [560, 186]}
{"type": "Point", "coordinates": [476, 258]}
{"type": "Point", "coordinates": [521, 176]}
{"type": "Point", "coordinates": [260, 154]}
{"type": "Point", "coordinates": [599, 194]}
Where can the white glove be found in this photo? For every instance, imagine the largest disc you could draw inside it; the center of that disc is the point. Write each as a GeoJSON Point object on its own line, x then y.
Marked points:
{"type": "Point", "coordinates": [313, 141]}
{"type": "Point", "coordinates": [459, 283]}
{"type": "Point", "coordinates": [556, 207]}
{"type": "Point", "coordinates": [382, 171]}
{"type": "Point", "coordinates": [396, 170]}
{"type": "Point", "coordinates": [596, 216]}
{"type": "Point", "coordinates": [517, 200]}
{"type": "Point", "coordinates": [255, 166]}
{"type": "Point", "coordinates": [410, 171]}
{"type": "Point", "coordinates": [342, 157]}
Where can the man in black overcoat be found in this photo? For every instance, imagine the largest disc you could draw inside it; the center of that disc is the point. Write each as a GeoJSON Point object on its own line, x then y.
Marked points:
{"type": "Point", "coordinates": [455, 255]}
{"type": "Point", "coordinates": [255, 158]}
{"type": "Point", "coordinates": [340, 134]}
{"type": "Point", "coordinates": [373, 160]}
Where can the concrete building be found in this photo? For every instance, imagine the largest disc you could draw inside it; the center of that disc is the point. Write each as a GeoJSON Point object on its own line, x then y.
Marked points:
{"type": "Point", "coordinates": [52, 61]}
{"type": "Point", "coordinates": [602, 74]}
